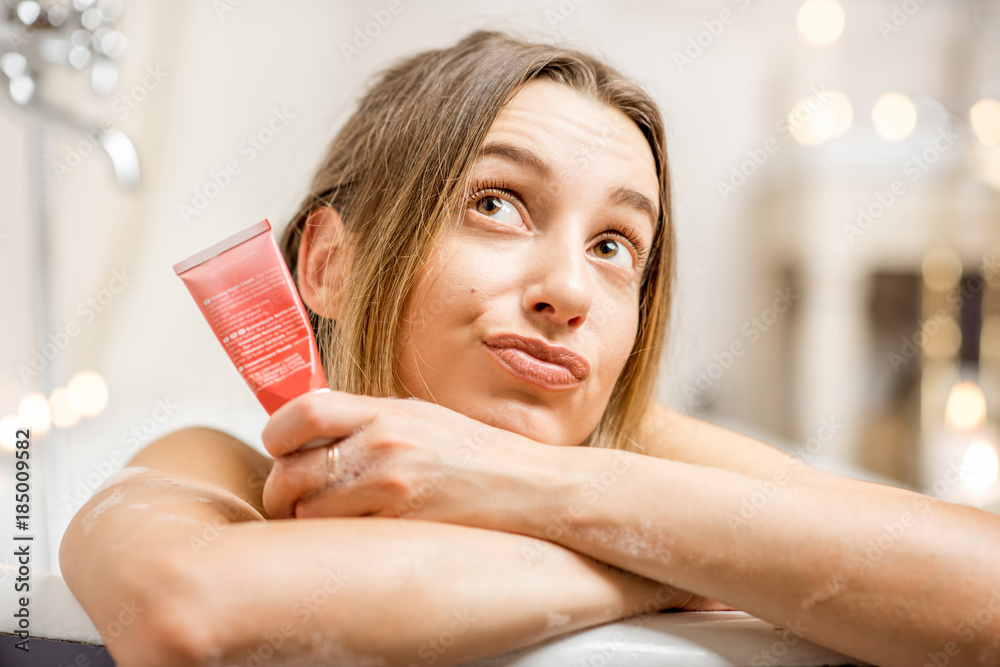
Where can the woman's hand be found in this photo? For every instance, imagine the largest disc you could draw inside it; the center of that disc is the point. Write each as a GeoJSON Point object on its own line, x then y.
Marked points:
{"type": "Point", "coordinates": [399, 458]}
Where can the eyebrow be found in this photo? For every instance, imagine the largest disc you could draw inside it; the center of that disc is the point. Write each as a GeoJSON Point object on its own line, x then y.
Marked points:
{"type": "Point", "coordinates": [523, 156]}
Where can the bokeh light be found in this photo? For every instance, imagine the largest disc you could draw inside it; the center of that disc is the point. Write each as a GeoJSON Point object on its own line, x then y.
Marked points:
{"type": "Point", "coordinates": [820, 118]}
{"type": "Point", "coordinates": [35, 414]}
{"type": "Point", "coordinates": [90, 391]}
{"type": "Point", "coordinates": [985, 118]}
{"type": "Point", "coordinates": [64, 407]}
{"type": "Point", "coordinates": [966, 407]}
{"type": "Point", "coordinates": [820, 22]}
{"type": "Point", "coordinates": [843, 112]}
{"type": "Point", "coordinates": [980, 466]}
{"type": "Point", "coordinates": [894, 116]}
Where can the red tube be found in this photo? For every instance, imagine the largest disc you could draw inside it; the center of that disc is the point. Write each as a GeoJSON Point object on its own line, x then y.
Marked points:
{"type": "Point", "coordinates": [244, 290]}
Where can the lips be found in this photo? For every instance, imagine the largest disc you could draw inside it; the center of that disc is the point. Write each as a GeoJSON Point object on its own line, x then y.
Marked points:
{"type": "Point", "coordinates": [534, 360]}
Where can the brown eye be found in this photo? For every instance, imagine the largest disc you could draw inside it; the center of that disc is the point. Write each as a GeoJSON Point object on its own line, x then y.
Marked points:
{"type": "Point", "coordinates": [608, 246]}
{"type": "Point", "coordinates": [611, 249]}
{"type": "Point", "coordinates": [498, 208]}
{"type": "Point", "coordinates": [495, 204]}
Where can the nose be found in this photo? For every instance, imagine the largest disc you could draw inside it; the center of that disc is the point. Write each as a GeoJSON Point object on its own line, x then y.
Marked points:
{"type": "Point", "coordinates": [560, 289]}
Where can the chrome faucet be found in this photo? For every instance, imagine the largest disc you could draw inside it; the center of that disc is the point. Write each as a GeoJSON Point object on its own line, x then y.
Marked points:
{"type": "Point", "coordinates": [36, 36]}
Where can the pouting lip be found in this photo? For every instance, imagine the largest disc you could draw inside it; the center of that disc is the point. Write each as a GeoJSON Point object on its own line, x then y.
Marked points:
{"type": "Point", "coordinates": [577, 364]}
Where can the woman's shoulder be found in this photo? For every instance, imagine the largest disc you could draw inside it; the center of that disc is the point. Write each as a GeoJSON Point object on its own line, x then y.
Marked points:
{"type": "Point", "coordinates": [134, 538]}
{"type": "Point", "coordinates": [667, 433]}
{"type": "Point", "coordinates": [210, 456]}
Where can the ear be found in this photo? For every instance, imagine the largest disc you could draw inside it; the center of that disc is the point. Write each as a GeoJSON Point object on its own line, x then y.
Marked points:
{"type": "Point", "coordinates": [324, 261]}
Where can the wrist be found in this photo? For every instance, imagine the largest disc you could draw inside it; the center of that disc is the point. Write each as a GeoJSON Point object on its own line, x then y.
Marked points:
{"type": "Point", "coordinates": [578, 492]}
{"type": "Point", "coordinates": [541, 481]}
{"type": "Point", "coordinates": [558, 487]}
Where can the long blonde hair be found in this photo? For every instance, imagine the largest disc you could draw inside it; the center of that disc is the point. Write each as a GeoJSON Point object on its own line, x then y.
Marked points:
{"type": "Point", "coordinates": [397, 172]}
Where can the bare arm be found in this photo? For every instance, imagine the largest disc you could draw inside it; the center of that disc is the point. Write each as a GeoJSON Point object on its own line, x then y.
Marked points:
{"type": "Point", "coordinates": [880, 573]}
{"type": "Point", "coordinates": [186, 543]}
{"type": "Point", "coordinates": [672, 435]}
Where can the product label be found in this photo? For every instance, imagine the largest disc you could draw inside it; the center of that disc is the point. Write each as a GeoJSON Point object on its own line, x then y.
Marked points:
{"type": "Point", "coordinates": [260, 328]}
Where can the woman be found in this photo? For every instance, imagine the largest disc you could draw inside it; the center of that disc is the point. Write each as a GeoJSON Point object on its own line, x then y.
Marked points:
{"type": "Point", "coordinates": [490, 236]}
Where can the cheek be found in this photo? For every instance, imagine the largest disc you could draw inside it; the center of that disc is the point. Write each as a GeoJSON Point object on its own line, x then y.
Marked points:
{"type": "Point", "coordinates": [448, 295]}
{"type": "Point", "coordinates": [614, 324]}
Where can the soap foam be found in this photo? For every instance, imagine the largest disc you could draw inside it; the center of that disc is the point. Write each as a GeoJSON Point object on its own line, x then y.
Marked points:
{"type": "Point", "coordinates": [109, 502]}
{"type": "Point", "coordinates": [556, 620]}
{"type": "Point", "coordinates": [120, 476]}
{"type": "Point", "coordinates": [102, 507]}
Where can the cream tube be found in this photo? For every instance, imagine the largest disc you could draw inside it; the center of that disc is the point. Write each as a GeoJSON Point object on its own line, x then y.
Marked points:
{"type": "Point", "coordinates": [244, 290]}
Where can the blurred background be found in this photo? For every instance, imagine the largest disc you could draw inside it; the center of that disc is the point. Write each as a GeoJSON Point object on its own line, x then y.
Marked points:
{"type": "Point", "coordinates": [836, 171]}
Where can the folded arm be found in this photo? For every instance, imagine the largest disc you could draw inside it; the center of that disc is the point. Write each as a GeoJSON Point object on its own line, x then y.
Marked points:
{"type": "Point", "coordinates": [186, 544]}
{"type": "Point", "coordinates": [877, 572]}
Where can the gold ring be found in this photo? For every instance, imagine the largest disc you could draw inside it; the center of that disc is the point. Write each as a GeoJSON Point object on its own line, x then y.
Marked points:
{"type": "Point", "coordinates": [332, 464]}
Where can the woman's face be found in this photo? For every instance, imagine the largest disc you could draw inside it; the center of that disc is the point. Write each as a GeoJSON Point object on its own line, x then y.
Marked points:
{"type": "Point", "coordinates": [550, 246]}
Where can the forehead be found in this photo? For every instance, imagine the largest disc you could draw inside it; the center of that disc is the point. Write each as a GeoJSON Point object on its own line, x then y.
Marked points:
{"type": "Point", "coordinates": [578, 135]}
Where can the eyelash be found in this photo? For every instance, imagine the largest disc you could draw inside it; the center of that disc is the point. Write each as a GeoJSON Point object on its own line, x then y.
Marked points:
{"type": "Point", "coordinates": [495, 186]}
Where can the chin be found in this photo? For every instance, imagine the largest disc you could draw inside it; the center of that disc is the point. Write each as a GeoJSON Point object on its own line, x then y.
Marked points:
{"type": "Point", "coordinates": [535, 422]}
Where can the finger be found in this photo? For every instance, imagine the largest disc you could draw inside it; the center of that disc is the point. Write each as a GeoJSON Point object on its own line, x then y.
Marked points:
{"type": "Point", "coordinates": [292, 476]}
{"type": "Point", "coordinates": [355, 492]}
{"type": "Point", "coordinates": [361, 486]}
{"type": "Point", "coordinates": [302, 474]}
{"type": "Point", "coordinates": [332, 415]}
{"type": "Point", "coordinates": [334, 502]}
